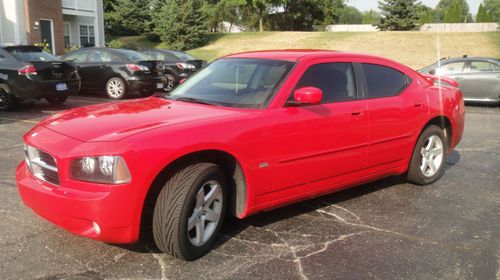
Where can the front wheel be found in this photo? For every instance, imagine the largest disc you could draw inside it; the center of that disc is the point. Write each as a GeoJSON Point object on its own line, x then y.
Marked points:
{"type": "Point", "coordinates": [429, 156]}
{"type": "Point", "coordinates": [115, 88]}
{"type": "Point", "coordinates": [57, 100]}
{"type": "Point", "coordinates": [189, 211]}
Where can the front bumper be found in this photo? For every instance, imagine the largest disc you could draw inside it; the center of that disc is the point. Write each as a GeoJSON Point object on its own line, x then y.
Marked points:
{"type": "Point", "coordinates": [103, 213]}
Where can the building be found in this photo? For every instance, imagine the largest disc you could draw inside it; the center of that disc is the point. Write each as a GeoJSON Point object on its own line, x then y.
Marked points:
{"type": "Point", "coordinates": [60, 23]}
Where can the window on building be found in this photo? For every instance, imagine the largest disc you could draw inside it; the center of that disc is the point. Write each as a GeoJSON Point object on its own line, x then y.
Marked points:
{"type": "Point", "coordinates": [383, 81]}
{"type": "Point", "coordinates": [67, 35]}
{"type": "Point", "coordinates": [87, 36]}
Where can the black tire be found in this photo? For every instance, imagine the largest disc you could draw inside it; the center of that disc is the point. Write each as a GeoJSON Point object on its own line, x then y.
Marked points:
{"type": "Point", "coordinates": [118, 84]}
{"type": "Point", "coordinates": [57, 100]}
{"type": "Point", "coordinates": [170, 82]}
{"type": "Point", "coordinates": [419, 158]}
{"type": "Point", "coordinates": [176, 204]}
{"type": "Point", "coordinates": [7, 99]}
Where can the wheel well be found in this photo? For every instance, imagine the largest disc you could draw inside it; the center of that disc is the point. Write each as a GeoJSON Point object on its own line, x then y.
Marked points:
{"type": "Point", "coordinates": [237, 190]}
{"type": "Point", "coordinates": [444, 123]}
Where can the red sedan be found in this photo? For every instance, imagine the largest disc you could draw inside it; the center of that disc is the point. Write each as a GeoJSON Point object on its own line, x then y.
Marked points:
{"type": "Point", "coordinates": [248, 133]}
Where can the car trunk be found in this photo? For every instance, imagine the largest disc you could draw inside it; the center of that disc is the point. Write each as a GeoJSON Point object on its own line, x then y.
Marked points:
{"type": "Point", "coordinates": [156, 67]}
{"type": "Point", "coordinates": [54, 70]}
{"type": "Point", "coordinates": [198, 63]}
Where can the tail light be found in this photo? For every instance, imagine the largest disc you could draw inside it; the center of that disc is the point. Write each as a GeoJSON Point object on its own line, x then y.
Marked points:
{"type": "Point", "coordinates": [27, 70]}
{"type": "Point", "coordinates": [135, 67]}
{"type": "Point", "coordinates": [183, 65]}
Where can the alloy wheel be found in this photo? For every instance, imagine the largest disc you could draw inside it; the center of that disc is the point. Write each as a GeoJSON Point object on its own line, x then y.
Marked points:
{"type": "Point", "coordinates": [170, 82]}
{"type": "Point", "coordinates": [432, 156]}
{"type": "Point", "coordinates": [115, 88]}
{"type": "Point", "coordinates": [206, 213]}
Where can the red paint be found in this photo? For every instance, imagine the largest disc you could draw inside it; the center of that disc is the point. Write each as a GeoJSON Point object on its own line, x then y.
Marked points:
{"type": "Point", "coordinates": [308, 95]}
{"type": "Point", "coordinates": [309, 150]}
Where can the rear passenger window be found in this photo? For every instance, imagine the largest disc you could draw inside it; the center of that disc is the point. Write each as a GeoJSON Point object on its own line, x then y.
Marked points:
{"type": "Point", "coordinates": [336, 80]}
{"type": "Point", "coordinates": [383, 81]}
{"type": "Point", "coordinates": [483, 66]}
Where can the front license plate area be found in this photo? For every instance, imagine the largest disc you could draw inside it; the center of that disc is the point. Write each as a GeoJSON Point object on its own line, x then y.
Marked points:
{"type": "Point", "coordinates": [61, 87]}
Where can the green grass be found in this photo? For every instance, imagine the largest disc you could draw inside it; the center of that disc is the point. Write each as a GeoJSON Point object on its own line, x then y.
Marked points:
{"type": "Point", "coordinates": [415, 49]}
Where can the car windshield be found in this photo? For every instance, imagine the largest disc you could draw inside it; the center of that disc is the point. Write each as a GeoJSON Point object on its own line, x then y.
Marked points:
{"type": "Point", "coordinates": [232, 82]}
{"type": "Point", "coordinates": [31, 54]}
{"type": "Point", "coordinates": [133, 55]}
{"type": "Point", "coordinates": [182, 55]}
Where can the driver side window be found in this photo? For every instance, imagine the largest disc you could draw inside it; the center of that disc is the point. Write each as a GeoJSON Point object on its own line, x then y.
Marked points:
{"type": "Point", "coordinates": [78, 56]}
{"type": "Point", "coordinates": [336, 80]}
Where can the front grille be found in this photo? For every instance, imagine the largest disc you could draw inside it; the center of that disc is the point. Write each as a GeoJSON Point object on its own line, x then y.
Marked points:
{"type": "Point", "coordinates": [42, 165]}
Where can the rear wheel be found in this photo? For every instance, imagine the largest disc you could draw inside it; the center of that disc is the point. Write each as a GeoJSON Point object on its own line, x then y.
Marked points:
{"type": "Point", "coordinates": [57, 100]}
{"type": "Point", "coordinates": [429, 156]}
{"type": "Point", "coordinates": [7, 100]}
{"type": "Point", "coordinates": [115, 88]}
{"type": "Point", "coordinates": [189, 211]}
{"type": "Point", "coordinates": [170, 82]}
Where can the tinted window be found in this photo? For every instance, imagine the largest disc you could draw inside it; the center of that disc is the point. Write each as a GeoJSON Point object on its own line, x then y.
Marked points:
{"type": "Point", "coordinates": [483, 66]}
{"type": "Point", "coordinates": [451, 68]}
{"type": "Point", "coordinates": [77, 56]}
{"type": "Point", "coordinates": [2, 58]}
{"type": "Point", "coordinates": [30, 54]}
{"type": "Point", "coordinates": [132, 55]}
{"type": "Point", "coordinates": [104, 56]}
{"type": "Point", "coordinates": [182, 55]}
{"type": "Point", "coordinates": [336, 80]}
{"type": "Point", "coordinates": [383, 81]}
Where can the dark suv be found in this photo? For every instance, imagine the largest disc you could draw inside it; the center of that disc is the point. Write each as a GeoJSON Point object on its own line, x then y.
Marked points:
{"type": "Point", "coordinates": [27, 72]}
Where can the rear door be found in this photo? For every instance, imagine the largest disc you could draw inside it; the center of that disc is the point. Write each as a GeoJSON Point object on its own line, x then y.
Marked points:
{"type": "Point", "coordinates": [481, 80]}
{"type": "Point", "coordinates": [79, 60]}
{"type": "Point", "coordinates": [323, 142]}
{"type": "Point", "coordinates": [394, 109]}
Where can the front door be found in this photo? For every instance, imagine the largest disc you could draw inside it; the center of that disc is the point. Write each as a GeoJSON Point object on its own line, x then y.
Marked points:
{"type": "Point", "coordinates": [46, 33]}
{"type": "Point", "coordinates": [319, 144]}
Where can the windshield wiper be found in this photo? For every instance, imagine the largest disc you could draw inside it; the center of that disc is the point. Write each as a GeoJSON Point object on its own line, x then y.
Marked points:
{"type": "Point", "coordinates": [193, 100]}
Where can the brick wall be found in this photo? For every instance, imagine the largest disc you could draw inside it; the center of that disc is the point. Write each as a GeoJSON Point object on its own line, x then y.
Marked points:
{"type": "Point", "coordinates": [44, 9]}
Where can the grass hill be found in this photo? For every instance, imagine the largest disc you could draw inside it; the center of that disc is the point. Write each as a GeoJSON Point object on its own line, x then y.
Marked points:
{"type": "Point", "coordinates": [415, 49]}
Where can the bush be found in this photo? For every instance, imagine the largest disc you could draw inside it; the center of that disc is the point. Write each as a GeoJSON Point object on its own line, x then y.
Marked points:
{"type": "Point", "coordinates": [153, 37]}
{"type": "Point", "coordinates": [70, 49]}
{"type": "Point", "coordinates": [116, 44]}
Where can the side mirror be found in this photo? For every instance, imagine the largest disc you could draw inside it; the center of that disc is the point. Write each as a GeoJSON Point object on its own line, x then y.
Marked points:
{"type": "Point", "coordinates": [308, 95]}
{"type": "Point", "coordinates": [432, 71]}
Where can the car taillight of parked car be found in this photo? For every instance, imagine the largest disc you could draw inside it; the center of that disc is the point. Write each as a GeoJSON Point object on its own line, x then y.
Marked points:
{"type": "Point", "coordinates": [183, 65]}
{"type": "Point", "coordinates": [27, 70]}
{"type": "Point", "coordinates": [135, 67]}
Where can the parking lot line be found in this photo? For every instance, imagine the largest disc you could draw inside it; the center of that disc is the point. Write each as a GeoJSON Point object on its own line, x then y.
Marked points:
{"type": "Point", "coordinates": [19, 120]}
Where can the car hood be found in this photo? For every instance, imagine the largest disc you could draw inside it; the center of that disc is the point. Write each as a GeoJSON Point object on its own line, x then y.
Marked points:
{"type": "Point", "coordinates": [115, 121]}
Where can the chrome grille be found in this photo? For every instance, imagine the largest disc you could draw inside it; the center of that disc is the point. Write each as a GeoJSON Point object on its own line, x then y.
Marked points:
{"type": "Point", "coordinates": [42, 165]}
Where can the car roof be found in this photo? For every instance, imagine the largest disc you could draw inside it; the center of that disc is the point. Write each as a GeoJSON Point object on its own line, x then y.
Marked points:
{"type": "Point", "coordinates": [300, 54]}
{"type": "Point", "coordinates": [451, 59]}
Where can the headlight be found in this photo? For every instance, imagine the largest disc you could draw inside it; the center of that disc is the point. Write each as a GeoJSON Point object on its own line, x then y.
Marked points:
{"type": "Point", "coordinates": [100, 169]}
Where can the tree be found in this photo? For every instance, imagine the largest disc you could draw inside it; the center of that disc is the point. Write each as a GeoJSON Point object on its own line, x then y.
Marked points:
{"type": "Point", "coordinates": [443, 6]}
{"type": "Point", "coordinates": [127, 17]}
{"type": "Point", "coordinates": [181, 24]}
{"type": "Point", "coordinates": [483, 15]}
{"type": "Point", "coordinates": [492, 7]}
{"type": "Point", "coordinates": [398, 14]}
{"type": "Point", "coordinates": [454, 13]}
{"type": "Point", "coordinates": [425, 14]}
{"type": "Point", "coordinates": [350, 15]}
{"type": "Point", "coordinates": [371, 17]}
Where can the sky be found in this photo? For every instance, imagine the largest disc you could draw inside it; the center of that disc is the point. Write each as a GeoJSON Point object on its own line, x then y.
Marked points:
{"type": "Point", "coordinates": [365, 5]}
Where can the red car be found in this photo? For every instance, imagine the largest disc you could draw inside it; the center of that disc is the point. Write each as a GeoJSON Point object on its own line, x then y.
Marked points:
{"type": "Point", "coordinates": [248, 133]}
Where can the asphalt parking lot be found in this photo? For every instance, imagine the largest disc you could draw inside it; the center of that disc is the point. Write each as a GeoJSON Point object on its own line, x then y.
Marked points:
{"type": "Point", "coordinates": [383, 230]}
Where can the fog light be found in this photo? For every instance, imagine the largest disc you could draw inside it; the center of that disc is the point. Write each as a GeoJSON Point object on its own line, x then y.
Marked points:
{"type": "Point", "coordinates": [96, 228]}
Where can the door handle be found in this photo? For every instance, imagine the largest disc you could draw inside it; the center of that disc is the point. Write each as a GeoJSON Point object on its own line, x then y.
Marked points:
{"type": "Point", "coordinates": [358, 113]}
{"type": "Point", "coordinates": [418, 104]}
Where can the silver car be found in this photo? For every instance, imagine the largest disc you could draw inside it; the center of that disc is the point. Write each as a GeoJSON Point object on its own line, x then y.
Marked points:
{"type": "Point", "coordinates": [478, 77]}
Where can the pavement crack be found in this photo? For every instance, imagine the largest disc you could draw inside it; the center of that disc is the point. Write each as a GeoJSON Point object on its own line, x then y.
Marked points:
{"type": "Point", "coordinates": [161, 262]}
